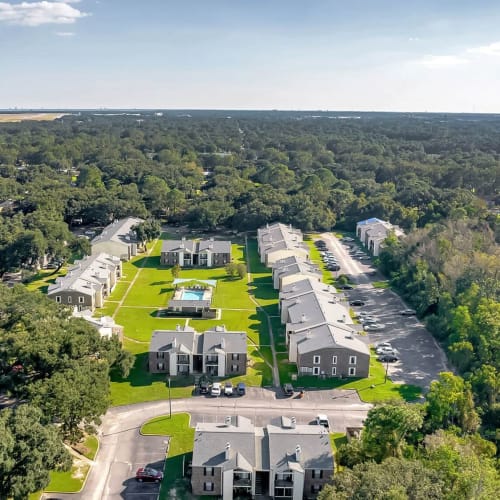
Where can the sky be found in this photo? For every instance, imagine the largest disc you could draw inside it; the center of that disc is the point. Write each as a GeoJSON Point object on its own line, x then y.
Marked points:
{"type": "Point", "coordinates": [366, 55]}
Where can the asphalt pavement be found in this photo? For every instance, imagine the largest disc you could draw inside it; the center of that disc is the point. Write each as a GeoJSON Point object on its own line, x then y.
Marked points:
{"type": "Point", "coordinates": [421, 359]}
{"type": "Point", "coordinates": [123, 449]}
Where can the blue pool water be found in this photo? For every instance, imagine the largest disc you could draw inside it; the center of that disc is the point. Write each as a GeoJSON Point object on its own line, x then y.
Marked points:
{"type": "Point", "coordinates": [192, 295]}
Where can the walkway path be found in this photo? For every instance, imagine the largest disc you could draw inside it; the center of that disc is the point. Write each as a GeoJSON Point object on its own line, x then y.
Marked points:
{"type": "Point", "coordinates": [276, 373]}
{"type": "Point", "coordinates": [141, 267]}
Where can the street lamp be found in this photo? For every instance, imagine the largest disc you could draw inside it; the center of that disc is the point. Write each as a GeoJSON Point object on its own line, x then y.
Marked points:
{"type": "Point", "coordinates": [169, 399]}
{"type": "Point", "coordinates": [386, 369]}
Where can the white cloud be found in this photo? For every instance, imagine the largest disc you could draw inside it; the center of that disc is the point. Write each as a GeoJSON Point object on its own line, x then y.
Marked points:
{"type": "Point", "coordinates": [414, 39]}
{"type": "Point", "coordinates": [493, 49]}
{"type": "Point", "coordinates": [64, 33]}
{"type": "Point", "coordinates": [37, 13]}
{"type": "Point", "coordinates": [442, 61]}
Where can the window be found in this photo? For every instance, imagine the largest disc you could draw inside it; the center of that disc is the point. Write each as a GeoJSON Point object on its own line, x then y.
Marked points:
{"type": "Point", "coordinates": [352, 371]}
{"type": "Point", "coordinates": [160, 354]}
{"type": "Point", "coordinates": [352, 360]}
{"type": "Point", "coordinates": [208, 471]}
{"type": "Point", "coordinates": [316, 360]}
{"type": "Point", "coordinates": [315, 370]}
{"type": "Point", "coordinates": [70, 299]}
{"type": "Point", "coordinates": [334, 360]}
{"type": "Point", "coordinates": [159, 366]}
{"type": "Point", "coordinates": [334, 370]}
{"type": "Point", "coordinates": [235, 357]}
{"type": "Point", "coordinates": [81, 300]}
{"type": "Point", "coordinates": [315, 488]}
{"type": "Point", "coordinates": [284, 476]}
{"type": "Point", "coordinates": [58, 299]}
{"type": "Point", "coordinates": [317, 474]}
{"type": "Point", "coordinates": [234, 368]}
{"type": "Point", "coordinates": [208, 486]}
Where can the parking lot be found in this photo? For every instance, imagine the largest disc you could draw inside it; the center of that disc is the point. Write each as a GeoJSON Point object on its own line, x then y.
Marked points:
{"type": "Point", "coordinates": [420, 357]}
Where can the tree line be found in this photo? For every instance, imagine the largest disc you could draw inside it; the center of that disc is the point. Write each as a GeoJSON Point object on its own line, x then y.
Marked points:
{"type": "Point", "coordinates": [56, 370]}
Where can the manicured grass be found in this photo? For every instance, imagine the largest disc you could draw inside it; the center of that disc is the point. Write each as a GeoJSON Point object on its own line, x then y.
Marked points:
{"type": "Point", "coordinates": [119, 291]}
{"type": "Point", "coordinates": [337, 439]}
{"type": "Point", "coordinates": [179, 449]}
{"type": "Point", "coordinates": [371, 389]}
{"type": "Point", "coordinates": [316, 258]}
{"type": "Point", "coordinates": [43, 279]}
{"type": "Point", "coordinates": [91, 444]}
{"type": "Point", "coordinates": [381, 284]}
{"type": "Point", "coordinates": [68, 482]}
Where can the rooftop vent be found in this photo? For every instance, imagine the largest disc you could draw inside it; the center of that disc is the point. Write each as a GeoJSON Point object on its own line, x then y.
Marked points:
{"type": "Point", "coordinates": [298, 453]}
{"type": "Point", "coordinates": [227, 421]}
{"type": "Point", "coordinates": [293, 422]}
{"type": "Point", "coordinates": [228, 450]}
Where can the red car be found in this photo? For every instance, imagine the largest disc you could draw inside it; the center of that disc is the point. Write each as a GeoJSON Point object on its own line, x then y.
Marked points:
{"type": "Point", "coordinates": [147, 474]}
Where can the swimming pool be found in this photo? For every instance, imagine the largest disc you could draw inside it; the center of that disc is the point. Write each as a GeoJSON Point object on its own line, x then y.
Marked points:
{"type": "Point", "coordinates": [192, 295]}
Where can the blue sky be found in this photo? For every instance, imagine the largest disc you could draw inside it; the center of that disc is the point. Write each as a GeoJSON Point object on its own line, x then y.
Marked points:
{"type": "Point", "coordinates": [411, 55]}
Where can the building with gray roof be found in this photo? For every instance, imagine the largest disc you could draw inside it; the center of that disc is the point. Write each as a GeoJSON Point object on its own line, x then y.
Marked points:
{"type": "Point", "coordinates": [278, 241]}
{"type": "Point", "coordinates": [284, 459]}
{"type": "Point", "coordinates": [196, 253]}
{"type": "Point", "coordinates": [87, 283]}
{"type": "Point", "coordinates": [118, 239]}
{"type": "Point", "coordinates": [216, 352]}
{"type": "Point", "coordinates": [294, 269]}
{"type": "Point", "coordinates": [373, 232]}
{"type": "Point", "coordinates": [320, 335]}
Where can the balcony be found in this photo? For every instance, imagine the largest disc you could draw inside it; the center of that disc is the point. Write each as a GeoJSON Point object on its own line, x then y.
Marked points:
{"type": "Point", "coordinates": [212, 360]}
{"type": "Point", "coordinates": [182, 360]}
{"type": "Point", "coordinates": [242, 481]}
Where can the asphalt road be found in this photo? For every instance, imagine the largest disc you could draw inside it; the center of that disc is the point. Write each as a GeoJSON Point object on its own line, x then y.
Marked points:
{"type": "Point", "coordinates": [123, 449]}
{"type": "Point", "coordinates": [421, 357]}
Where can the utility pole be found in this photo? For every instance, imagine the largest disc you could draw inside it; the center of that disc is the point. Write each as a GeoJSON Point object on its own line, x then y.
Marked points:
{"type": "Point", "coordinates": [169, 399]}
{"type": "Point", "coordinates": [386, 369]}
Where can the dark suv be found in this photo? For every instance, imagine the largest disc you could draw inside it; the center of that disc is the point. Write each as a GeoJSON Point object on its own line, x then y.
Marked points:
{"type": "Point", "coordinates": [288, 389]}
{"type": "Point", "coordinates": [204, 385]}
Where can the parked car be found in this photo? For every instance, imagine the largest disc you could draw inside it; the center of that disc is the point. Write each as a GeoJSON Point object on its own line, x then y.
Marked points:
{"type": "Point", "coordinates": [384, 350]}
{"type": "Point", "coordinates": [149, 475]}
{"type": "Point", "coordinates": [374, 327]}
{"type": "Point", "coordinates": [241, 389]}
{"type": "Point", "coordinates": [388, 358]}
{"type": "Point", "coordinates": [408, 312]}
{"type": "Point", "coordinates": [383, 344]}
{"type": "Point", "coordinates": [228, 389]}
{"type": "Point", "coordinates": [345, 287]}
{"type": "Point", "coordinates": [347, 238]}
{"type": "Point", "coordinates": [368, 319]}
{"type": "Point", "coordinates": [322, 419]}
{"type": "Point", "coordinates": [216, 389]}
{"type": "Point", "coordinates": [288, 389]}
{"type": "Point", "coordinates": [204, 385]}
{"type": "Point", "coordinates": [356, 303]}
{"type": "Point", "coordinates": [333, 267]}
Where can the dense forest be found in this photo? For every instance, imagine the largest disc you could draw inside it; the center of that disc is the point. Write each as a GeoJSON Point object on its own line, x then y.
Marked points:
{"type": "Point", "coordinates": [436, 176]}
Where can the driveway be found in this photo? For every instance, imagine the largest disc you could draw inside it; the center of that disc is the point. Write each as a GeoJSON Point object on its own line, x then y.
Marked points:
{"type": "Point", "coordinates": [421, 357]}
{"type": "Point", "coordinates": [122, 448]}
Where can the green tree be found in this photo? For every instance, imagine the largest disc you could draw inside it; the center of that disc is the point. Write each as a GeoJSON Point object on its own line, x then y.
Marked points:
{"type": "Point", "coordinates": [241, 269]}
{"type": "Point", "coordinates": [29, 450]}
{"type": "Point", "coordinates": [231, 269]}
{"type": "Point", "coordinates": [449, 402]}
{"type": "Point", "coordinates": [175, 271]}
{"type": "Point", "coordinates": [386, 428]}
{"type": "Point", "coordinates": [393, 479]}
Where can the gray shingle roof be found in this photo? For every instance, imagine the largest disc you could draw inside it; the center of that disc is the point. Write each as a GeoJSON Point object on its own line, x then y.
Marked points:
{"type": "Point", "coordinates": [261, 448]}
{"type": "Point", "coordinates": [119, 231]}
{"type": "Point", "coordinates": [329, 335]}
{"type": "Point", "coordinates": [307, 285]}
{"type": "Point", "coordinates": [233, 341]}
{"type": "Point", "coordinates": [314, 308]}
{"type": "Point", "coordinates": [166, 340]}
{"type": "Point", "coordinates": [193, 246]}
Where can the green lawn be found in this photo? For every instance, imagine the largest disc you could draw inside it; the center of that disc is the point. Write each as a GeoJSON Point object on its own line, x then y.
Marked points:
{"type": "Point", "coordinates": [381, 284]}
{"type": "Point", "coordinates": [371, 389]}
{"type": "Point", "coordinates": [91, 444]}
{"type": "Point", "coordinates": [316, 258]}
{"type": "Point", "coordinates": [68, 482]}
{"type": "Point", "coordinates": [179, 450]}
{"type": "Point", "coordinates": [43, 279]}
